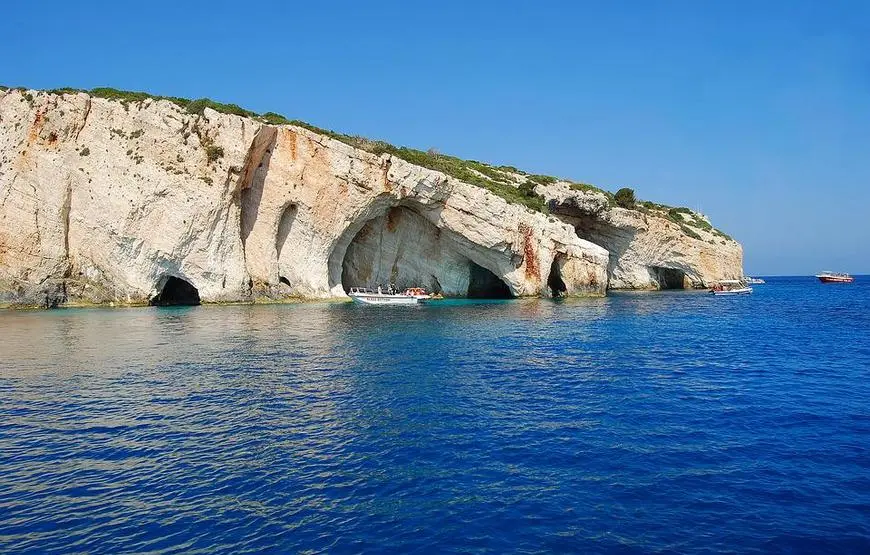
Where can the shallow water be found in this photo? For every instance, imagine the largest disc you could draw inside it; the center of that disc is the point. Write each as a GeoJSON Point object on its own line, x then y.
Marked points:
{"type": "Point", "coordinates": [673, 421]}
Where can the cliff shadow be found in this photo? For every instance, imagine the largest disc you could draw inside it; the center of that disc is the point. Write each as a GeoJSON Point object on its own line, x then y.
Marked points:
{"type": "Point", "coordinates": [285, 223]}
{"type": "Point", "coordinates": [668, 278]}
{"type": "Point", "coordinates": [483, 284]}
{"type": "Point", "coordinates": [251, 190]}
{"type": "Point", "coordinates": [176, 292]}
{"type": "Point", "coordinates": [554, 280]}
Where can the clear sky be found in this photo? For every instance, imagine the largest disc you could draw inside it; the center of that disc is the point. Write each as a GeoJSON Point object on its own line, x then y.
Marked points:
{"type": "Point", "coordinates": [757, 113]}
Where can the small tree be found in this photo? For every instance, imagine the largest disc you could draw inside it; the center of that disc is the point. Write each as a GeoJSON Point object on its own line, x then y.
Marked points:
{"type": "Point", "coordinates": [625, 197]}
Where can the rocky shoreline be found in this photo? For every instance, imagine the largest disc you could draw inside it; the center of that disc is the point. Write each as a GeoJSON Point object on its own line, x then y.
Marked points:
{"type": "Point", "coordinates": [115, 202]}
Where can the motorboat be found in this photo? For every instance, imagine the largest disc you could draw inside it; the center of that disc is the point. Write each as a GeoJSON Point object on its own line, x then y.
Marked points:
{"type": "Point", "coordinates": [730, 287]}
{"type": "Point", "coordinates": [364, 295]}
{"type": "Point", "coordinates": [834, 277]}
{"type": "Point", "coordinates": [752, 281]}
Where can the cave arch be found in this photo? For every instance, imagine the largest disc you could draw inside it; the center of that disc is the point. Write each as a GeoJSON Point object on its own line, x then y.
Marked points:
{"type": "Point", "coordinates": [483, 284]}
{"type": "Point", "coordinates": [400, 245]}
{"type": "Point", "coordinates": [668, 278]}
{"type": "Point", "coordinates": [176, 292]}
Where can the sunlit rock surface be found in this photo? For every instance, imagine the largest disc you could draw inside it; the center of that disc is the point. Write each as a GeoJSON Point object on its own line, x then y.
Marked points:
{"type": "Point", "coordinates": [103, 201]}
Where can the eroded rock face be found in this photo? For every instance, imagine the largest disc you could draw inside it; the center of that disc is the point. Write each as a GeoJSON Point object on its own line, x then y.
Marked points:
{"type": "Point", "coordinates": [404, 249]}
{"type": "Point", "coordinates": [106, 202]}
{"type": "Point", "coordinates": [648, 250]}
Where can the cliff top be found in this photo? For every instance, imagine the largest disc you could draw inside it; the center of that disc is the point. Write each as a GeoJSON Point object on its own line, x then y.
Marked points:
{"type": "Point", "coordinates": [508, 182]}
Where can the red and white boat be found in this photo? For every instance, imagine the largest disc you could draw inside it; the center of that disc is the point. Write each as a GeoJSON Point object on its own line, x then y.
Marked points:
{"type": "Point", "coordinates": [833, 277]}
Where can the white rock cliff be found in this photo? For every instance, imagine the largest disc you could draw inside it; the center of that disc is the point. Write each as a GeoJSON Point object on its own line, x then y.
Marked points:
{"type": "Point", "coordinates": [103, 201]}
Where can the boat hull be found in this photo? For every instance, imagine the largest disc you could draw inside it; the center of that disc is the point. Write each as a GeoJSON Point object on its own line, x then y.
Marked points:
{"type": "Point", "coordinates": [384, 299]}
{"type": "Point", "coordinates": [836, 279]}
{"type": "Point", "coordinates": [741, 291]}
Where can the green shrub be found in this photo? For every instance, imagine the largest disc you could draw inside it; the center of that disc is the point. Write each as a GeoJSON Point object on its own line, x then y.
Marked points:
{"type": "Point", "coordinates": [587, 188]}
{"type": "Point", "coordinates": [213, 152]}
{"type": "Point", "coordinates": [196, 106]}
{"type": "Point", "coordinates": [625, 198]}
{"type": "Point", "coordinates": [199, 105]}
{"type": "Point", "coordinates": [543, 179]}
{"type": "Point", "coordinates": [274, 119]}
{"type": "Point", "coordinates": [689, 232]}
{"type": "Point", "coordinates": [700, 224]}
{"type": "Point", "coordinates": [65, 90]}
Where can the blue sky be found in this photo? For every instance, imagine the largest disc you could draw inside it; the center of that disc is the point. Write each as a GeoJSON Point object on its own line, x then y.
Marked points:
{"type": "Point", "coordinates": [756, 113]}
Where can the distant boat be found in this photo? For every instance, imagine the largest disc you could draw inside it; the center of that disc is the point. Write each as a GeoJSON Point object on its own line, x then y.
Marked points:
{"type": "Point", "coordinates": [834, 277]}
{"type": "Point", "coordinates": [412, 295]}
{"type": "Point", "coordinates": [753, 281]}
{"type": "Point", "coordinates": [730, 287]}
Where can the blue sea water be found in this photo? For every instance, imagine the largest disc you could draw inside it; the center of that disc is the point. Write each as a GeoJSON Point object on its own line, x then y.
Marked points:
{"type": "Point", "coordinates": [645, 422]}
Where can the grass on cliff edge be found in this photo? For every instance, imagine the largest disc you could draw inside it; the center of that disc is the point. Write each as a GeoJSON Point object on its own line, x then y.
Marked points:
{"type": "Point", "coordinates": [495, 179]}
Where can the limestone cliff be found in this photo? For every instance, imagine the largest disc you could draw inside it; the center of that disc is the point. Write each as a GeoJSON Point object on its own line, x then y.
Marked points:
{"type": "Point", "coordinates": [107, 201]}
{"type": "Point", "coordinates": [650, 246]}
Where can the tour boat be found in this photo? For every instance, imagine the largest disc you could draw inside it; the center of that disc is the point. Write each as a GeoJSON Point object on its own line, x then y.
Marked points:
{"type": "Point", "coordinates": [833, 277]}
{"type": "Point", "coordinates": [730, 287]}
{"type": "Point", "coordinates": [412, 295]}
{"type": "Point", "coordinates": [752, 281]}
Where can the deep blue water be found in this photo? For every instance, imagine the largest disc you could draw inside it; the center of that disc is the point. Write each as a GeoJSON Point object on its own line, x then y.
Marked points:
{"type": "Point", "coordinates": [655, 422]}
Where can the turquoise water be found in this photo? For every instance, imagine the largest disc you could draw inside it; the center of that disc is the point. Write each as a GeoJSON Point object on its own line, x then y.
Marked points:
{"type": "Point", "coordinates": [658, 422]}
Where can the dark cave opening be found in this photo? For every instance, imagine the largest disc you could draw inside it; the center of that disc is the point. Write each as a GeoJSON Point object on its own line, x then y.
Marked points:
{"type": "Point", "coordinates": [284, 280]}
{"type": "Point", "coordinates": [176, 292]}
{"type": "Point", "coordinates": [668, 278]}
{"type": "Point", "coordinates": [554, 280]}
{"type": "Point", "coordinates": [483, 284]}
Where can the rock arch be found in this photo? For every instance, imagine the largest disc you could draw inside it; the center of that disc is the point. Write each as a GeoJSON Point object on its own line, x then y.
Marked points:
{"type": "Point", "coordinates": [667, 278]}
{"type": "Point", "coordinates": [400, 245]}
{"type": "Point", "coordinates": [483, 284]}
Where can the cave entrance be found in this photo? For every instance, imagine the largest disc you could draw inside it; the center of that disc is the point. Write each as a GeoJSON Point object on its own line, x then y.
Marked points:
{"type": "Point", "coordinates": [554, 280]}
{"type": "Point", "coordinates": [668, 278]}
{"type": "Point", "coordinates": [176, 292]}
{"type": "Point", "coordinates": [483, 284]}
{"type": "Point", "coordinates": [403, 248]}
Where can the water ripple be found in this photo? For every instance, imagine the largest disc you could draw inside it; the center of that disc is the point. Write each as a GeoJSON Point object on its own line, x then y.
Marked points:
{"type": "Point", "coordinates": [672, 422]}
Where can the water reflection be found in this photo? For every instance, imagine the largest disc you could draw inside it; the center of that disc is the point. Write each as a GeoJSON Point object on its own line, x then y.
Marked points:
{"type": "Point", "coordinates": [520, 423]}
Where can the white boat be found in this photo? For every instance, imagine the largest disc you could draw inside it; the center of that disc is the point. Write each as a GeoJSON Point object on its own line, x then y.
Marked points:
{"type": "Point", "coordinates": [730, 287]}
{"type": "Point", "coordinates": [752, 281]}
{"type": "Point", "coordinates": [364, 295]}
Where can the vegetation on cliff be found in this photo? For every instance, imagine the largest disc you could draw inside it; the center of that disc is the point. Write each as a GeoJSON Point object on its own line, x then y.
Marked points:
{"type": "Point", "coordinates": [508, 182]}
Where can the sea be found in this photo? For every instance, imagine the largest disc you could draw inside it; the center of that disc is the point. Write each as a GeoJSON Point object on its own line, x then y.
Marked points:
{"type": "Point", "coordinates": [662, 422]}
